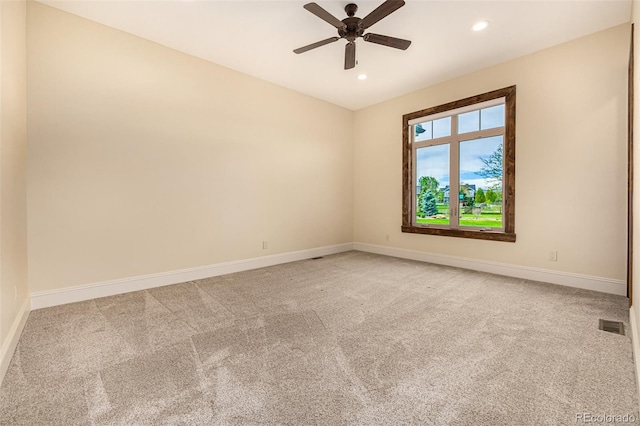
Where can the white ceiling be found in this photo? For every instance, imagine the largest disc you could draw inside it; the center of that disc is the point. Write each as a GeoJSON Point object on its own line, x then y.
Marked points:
{"type": "Point", "coordinates": [257, 38]}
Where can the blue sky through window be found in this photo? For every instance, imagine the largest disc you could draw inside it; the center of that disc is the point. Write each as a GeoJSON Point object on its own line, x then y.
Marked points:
{"type": "Point", "coordinates": [434, 161]}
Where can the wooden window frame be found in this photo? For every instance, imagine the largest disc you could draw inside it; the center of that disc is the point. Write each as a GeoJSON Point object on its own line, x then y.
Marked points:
{"type": "Point", "coordinates": [506, 234]}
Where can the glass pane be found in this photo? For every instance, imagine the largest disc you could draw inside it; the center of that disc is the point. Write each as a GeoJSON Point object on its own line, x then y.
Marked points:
{"type": "Point", "coordinates": [432, 191]}
{"type": "Point", "coordinates": [480, 195]}
{"type": "Point", "coordinates": [469, 122]}
{"type": "Point", "coordinates": [442, 127]}
{"type": "Point", "coordinates": [492, 117]}
{"type": "Point", "coordinates": [423, 131]}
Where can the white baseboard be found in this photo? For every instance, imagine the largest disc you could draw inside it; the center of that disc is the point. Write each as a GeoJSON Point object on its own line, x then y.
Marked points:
{"type": "Point", "coordinates": [44, 299]}
{"type": "Point", "coordinates": [587, 282]}
{"type": "Point", "coordinates": [635, 341]}
{"type": "Point", "coordinates": [9, 345]}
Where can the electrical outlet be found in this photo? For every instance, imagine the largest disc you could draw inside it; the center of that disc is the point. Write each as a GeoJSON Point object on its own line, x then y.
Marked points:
{"type": "Point", "coordinates": [553, 256]}
{"type": "Point", "coordinates": [264, 245]}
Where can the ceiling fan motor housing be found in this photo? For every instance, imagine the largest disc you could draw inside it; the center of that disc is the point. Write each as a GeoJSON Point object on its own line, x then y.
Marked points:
{"type": "Point", "coordinates": [353, 30]}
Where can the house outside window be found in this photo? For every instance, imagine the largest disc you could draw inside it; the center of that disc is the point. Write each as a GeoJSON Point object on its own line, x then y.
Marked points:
{"type": "Point", "coordinates": [466, 148]}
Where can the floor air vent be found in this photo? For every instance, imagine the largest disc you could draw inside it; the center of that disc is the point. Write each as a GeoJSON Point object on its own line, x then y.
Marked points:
{"type": "Point", "coordinates": [612, 326]}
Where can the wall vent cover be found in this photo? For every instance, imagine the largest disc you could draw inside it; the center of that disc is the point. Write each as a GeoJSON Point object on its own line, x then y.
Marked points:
{"type": "Point", "coordinates": [612, 326]}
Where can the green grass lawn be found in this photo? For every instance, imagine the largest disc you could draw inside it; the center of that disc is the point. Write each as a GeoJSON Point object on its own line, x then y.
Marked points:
{"type": "Point", "coordinates": [491, 217]}
{"type": "Point", "coordinates": [482, 222]}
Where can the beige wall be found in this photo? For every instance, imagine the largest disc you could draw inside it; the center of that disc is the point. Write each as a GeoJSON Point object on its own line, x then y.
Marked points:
{"type": "Point", "coordinates": [635, 18]}
{"type": "Point", "coordinates": [144, 160]}
{"type": "Point", "coordinates": [570, 159]}
{"type": "Point", "coordinates": [13, 145]}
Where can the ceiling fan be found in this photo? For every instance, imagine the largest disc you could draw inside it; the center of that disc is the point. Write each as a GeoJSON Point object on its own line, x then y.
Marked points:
{"type": "Point", "coordinates": [353, 27]}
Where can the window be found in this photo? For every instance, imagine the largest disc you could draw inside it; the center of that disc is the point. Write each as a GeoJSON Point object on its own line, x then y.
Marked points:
{"type": "Point", "coordinates": [459, 168]}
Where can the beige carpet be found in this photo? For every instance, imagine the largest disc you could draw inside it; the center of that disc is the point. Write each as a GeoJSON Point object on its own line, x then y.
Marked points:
{"type": "Point", "coordinates": [353, 338]}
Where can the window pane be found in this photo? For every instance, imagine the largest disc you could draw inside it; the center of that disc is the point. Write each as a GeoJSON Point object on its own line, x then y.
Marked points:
{"type": "Point", "coordinates": [423, 131]}
{"type": "Point", "coordinates": [480, 194]}
{"type": "Point", "coordinates": [469, 122]}
{"type": "Point", "coordinates": [432, 191]}
{"type": "Point", "coordinates": [492, 117]}
{"type": "Point", "coordinates": [442, 127]}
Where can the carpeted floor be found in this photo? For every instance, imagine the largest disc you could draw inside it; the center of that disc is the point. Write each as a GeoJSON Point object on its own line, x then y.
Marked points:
{"type": "Point", "coordinates": [353, 338]}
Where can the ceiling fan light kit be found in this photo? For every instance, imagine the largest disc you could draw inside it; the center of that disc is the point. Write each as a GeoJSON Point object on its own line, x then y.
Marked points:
{"type": "Point", "coordinates": [353, 27]}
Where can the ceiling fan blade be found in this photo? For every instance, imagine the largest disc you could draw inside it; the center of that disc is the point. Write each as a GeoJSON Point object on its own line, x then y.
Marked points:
{"type": "Point", "coordinates": [350, 56]}
{"type": "Point", "coordinates": [385, 9]}
{"type": "Point", "coordinates": [316, 44]}
{"type": "Point", "coordinates": [384, 40]}
{"type": "Point", "coordinates": [324, 15]}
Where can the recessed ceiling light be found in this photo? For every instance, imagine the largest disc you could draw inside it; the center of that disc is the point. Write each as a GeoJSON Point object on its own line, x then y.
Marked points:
{"type": "Point", "coordinates": [480, 26]}
{"type": "Point", "coordinates": [362, 77]}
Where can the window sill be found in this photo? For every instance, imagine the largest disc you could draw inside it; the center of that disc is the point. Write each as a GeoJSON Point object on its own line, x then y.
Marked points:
{"type": "Point", "coordinates": [478, 235]}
